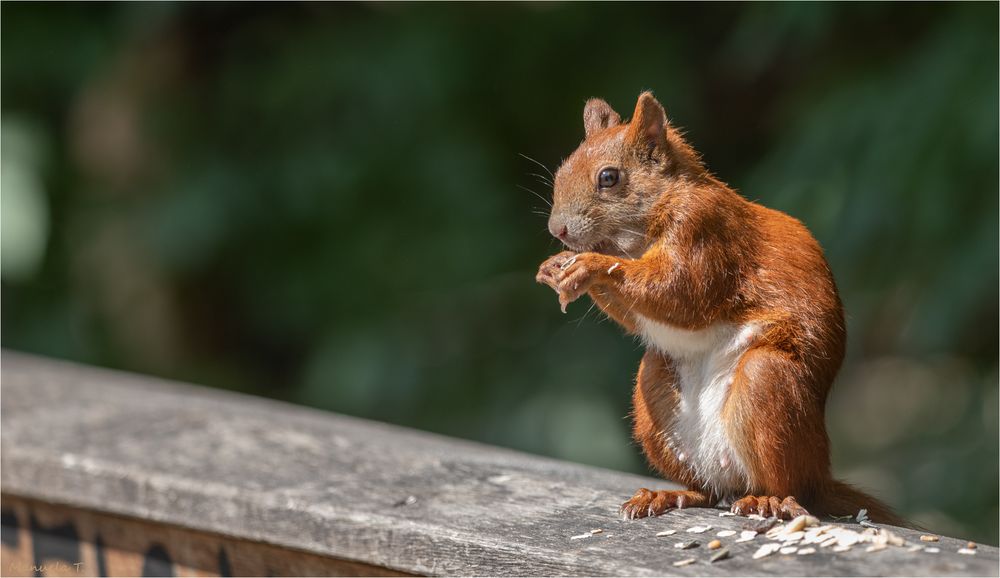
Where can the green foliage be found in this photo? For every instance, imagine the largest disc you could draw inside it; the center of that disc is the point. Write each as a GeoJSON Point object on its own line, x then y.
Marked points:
{"type": "Point", "coordinates": [322, 203]}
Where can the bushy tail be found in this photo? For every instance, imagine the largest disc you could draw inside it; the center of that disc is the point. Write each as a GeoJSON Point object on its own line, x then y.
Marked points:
{"type": "Point", "coordinates": [841, 499]}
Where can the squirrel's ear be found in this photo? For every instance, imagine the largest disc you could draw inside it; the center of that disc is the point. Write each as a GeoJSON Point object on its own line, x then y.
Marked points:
{"type": "Point", "coordinates": [598, 115]}
{"type": "Point", "coordinates": [648, 124]}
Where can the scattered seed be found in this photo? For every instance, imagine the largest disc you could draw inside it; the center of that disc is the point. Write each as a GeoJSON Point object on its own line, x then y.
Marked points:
{"type": "Point", "coordinates": [685, 562]}
{"type": "Point", "coordinates": [805, 551]}
{"type": "Point", "coordinates": [666, 533]}
{"type": "Point", "coordinates": [698, 529]}
{"type": "Point", "coordinates": [841, 548]}
{"type": "Point", "coordinates": [596, 531]}
{"type": "Point", "coordinates": [686, 545]}
{"type": "Point", "coordinates": [929, 538]}
{"type": "Point", "coordinates": [876, 548]}
{"type": "Point", "coordinates": [746, 536]}
{"type": "Point", "coordinates": [915, 548]}
{"type": "Point", "coordinates": [968, 551]}
{"type": "Point", "coordinates": [714, 545]}
{"type": "Point", "coordinates": [726, 533]}
{"type": "Point", "coordinates": [720, 555]}
{"type": "Point", "coordinates": [788, 550]}
{"type": "Point", "coordinates": [766, 550]}
{"type": "Point", "coordinates": [725, 514]}
{"type": "Point", "coordinates": [971, 545]}
{"type": "Point", "coordinates": [581, 536]}
{"type": "Point", "coordinates": [828, 543]}
{"type": "Point", "coordinates": [932, 550]}
{"type": "Point", "coordinates": [756, 517]}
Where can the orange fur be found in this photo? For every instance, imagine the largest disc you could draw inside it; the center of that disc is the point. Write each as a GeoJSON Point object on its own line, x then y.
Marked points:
{"type": "Point", "coordinates": [671, 243]}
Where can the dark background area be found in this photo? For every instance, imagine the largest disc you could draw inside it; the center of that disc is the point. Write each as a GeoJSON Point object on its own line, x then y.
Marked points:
{"type": "Point", "coordinates": [327, 204]}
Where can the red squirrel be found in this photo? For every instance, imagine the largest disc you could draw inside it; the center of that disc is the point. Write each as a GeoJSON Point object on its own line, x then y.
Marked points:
{"type": "Point", "coordinates": [743, 326]}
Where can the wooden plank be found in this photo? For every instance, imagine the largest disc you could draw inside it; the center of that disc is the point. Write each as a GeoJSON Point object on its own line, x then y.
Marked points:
{"type": "Point", "coordinates": [55, 540]}
{"type": "Point", "coordinates": [261, 471]}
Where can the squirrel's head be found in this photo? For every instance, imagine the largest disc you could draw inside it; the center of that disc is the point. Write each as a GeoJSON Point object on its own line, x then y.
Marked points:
{"type": "Point", "coordinates": [604, 191]}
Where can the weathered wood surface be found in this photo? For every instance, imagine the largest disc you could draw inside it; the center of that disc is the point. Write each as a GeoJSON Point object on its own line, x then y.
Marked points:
{"type": "Point", "coordinates": [253, 469]}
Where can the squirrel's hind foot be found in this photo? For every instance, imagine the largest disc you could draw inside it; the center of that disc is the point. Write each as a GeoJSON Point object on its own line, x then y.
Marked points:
{"type": "Point", "coordinates": [768, 506]}
{"type": "Point", "coordinates": [648, 503]}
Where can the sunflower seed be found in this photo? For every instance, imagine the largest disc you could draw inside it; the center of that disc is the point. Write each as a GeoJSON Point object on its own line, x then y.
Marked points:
{"type": "Point", "coordinates": [968, 551]}
{"type": "Point", "coordinates": [788, 550]}
{"type": "Point", "coordinates": [929, 538]}
{"type": "Point", "coordinates": [685, 562]}
{"type": "Point", "coordinates": [766, 550]}
{"type": "Point", "coordinates": [686, 545]}
{"type": "Point", "coordinates": [725, 514]}
{"type": "Point", "coordinates": [666, 533]}
{"type": "Point", "coordinates": [876, 548]}
{"type": "Point", "coordinates": [932, 550]}
{"type": "Point", "coordinates": [805, 551]}
{"type": "Point", "coordinates": [581, 536]}
{"type": "Point", "coordinates": [698, 529]}
{"type": "Point", "coordinates": [841, 548]}
{"type": "Point", "coordinates": [726, 533]}
{"type": "Point", "coordinates": [746, 536]}
{"type": "Point", "coordinates": [596, 531]}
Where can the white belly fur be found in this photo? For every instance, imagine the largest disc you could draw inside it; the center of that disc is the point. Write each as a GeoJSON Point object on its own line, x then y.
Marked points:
{"type": "Point", "coordinates": [705, 361]}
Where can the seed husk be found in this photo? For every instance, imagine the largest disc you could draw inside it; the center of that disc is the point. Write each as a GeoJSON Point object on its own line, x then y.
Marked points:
{"type": "Point", "coordinates": [805, 551]}
{"type": "Point", "coordinates": [720, 555]}
{"type": "Point", "coordinates": [666, 533]}
{"type": "Point", "coordinates": [967, 551]}
{"type": "Point", "coordinates": [766, 550]}
{"type": "Point", "coordinates": [726, 533]}
{"type": "Point", "coordinates": [684, 562]}
{"type": "Point", "coordinates": [686, 545]}
{"type": "Point", "coordinates": [788, 550]}
{"type": "Point", "coordinates": [596, 531]}
{"type": "Point", "coordinates": [698, 529]}
{"type": "Point", "coordinates": [746, 536]}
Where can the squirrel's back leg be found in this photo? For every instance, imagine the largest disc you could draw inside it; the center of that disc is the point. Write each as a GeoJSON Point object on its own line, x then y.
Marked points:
{"type": "Point", "coordinates": [775, 414]}
{"type": "Point", "coordinates": [774, 418]}
{"type": "Point", "coordinates": [653, 405]}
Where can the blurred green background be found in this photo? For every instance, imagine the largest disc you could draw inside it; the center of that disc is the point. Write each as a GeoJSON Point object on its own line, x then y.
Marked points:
{"type": "Point", "coordinates": [327, 204]}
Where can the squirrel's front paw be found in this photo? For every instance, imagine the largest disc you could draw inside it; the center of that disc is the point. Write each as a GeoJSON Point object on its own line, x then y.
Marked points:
{"type": "Point", "coordinates": [578, 275]}
{"type": "Point", "coordinates": [548, 271]}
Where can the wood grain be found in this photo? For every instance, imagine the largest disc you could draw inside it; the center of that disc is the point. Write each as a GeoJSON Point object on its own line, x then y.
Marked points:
{"type": "Point", "coordinates": [265, 472]}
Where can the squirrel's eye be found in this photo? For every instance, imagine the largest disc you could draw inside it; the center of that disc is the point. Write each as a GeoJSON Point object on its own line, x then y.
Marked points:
{"type": "Point", "coordinates": [608, 178]}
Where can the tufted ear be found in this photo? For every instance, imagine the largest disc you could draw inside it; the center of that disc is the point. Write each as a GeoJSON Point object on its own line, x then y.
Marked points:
{"type": "Point", "coordinates": [598, 115]}
{"type": "Point", "coordinates": [648, 125]}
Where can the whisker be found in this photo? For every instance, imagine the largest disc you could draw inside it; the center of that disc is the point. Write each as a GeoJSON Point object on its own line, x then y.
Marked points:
{"type": "Point", "coordinates": [544, 200]}
{"type": "Point", "coordinates": [545, 180]}
{"type": "Point", "coordinates": [539, 164]}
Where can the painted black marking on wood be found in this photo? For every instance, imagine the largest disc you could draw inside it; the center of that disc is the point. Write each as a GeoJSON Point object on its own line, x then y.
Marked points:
{"type": "Point", "coordinates": [57, 544]}
{"type": "Point", "coordinates": [156, 562]}
{"type": "Point", "coordinates": [9, 535]}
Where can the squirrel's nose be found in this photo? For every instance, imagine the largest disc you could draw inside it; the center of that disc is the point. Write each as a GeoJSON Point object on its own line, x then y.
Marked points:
{"type": "Point", "coordinates": [558, 229]}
